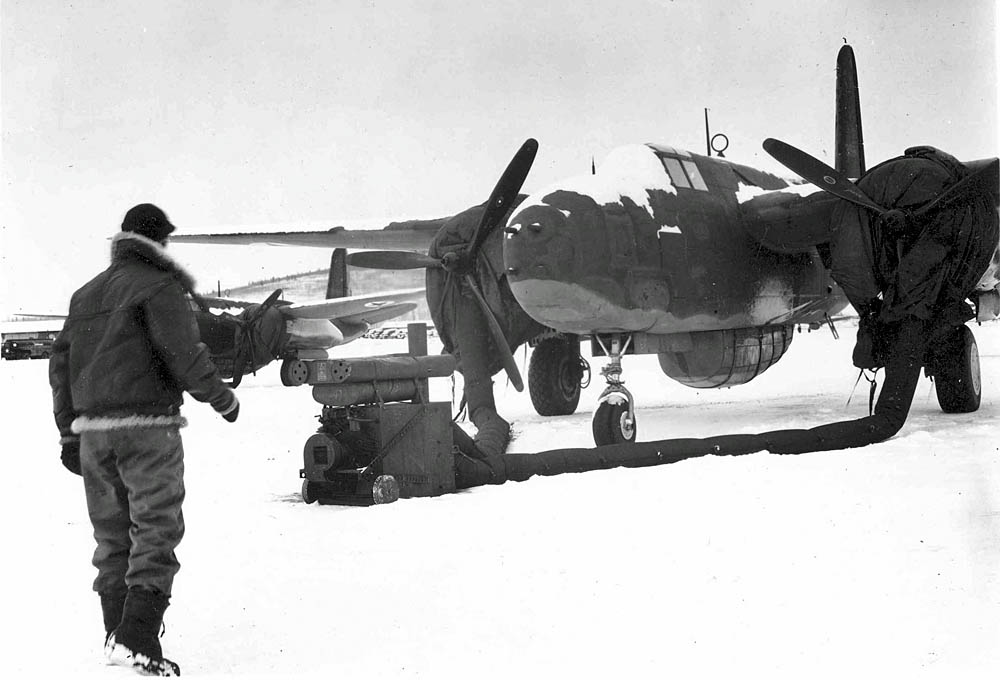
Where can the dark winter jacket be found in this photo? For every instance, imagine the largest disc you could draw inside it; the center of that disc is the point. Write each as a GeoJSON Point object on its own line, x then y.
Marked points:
{"type": "Point", "coordinates": [130, 346]}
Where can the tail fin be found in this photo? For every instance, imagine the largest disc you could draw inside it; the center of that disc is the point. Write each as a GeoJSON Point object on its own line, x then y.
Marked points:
{"type": "Point", "coordinates": [336, 283]}
{"type": "Point", "coordinates": [850, 149]}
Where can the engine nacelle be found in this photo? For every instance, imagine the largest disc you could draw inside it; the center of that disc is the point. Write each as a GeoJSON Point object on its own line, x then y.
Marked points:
{"type": "Point", "coordinates": [222, 332]}
{"type": "Point", "coordinates": [729, 357]}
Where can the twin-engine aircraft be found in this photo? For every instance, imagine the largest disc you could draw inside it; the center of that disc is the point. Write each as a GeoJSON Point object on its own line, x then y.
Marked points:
{"type": "Point", "coordinates": [705, 262]}
{"type": "Point", "coordinates": [244, 336]}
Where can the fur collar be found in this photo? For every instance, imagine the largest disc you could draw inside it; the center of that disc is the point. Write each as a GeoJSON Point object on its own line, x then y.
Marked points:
{"type": "Point", "coordinates": [129, 245]}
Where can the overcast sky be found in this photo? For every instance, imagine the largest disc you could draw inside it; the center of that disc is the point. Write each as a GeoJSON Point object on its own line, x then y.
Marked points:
{"type": "Point", "coordinates": [278, 112]}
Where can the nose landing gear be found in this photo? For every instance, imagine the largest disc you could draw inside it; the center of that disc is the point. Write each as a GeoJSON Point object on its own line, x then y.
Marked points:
{"type": "Point", "coordinates": [614, 418]}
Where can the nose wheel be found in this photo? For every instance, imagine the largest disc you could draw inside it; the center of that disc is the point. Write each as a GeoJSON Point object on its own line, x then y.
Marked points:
{"type": "Point", "coordinates": [614, 418]}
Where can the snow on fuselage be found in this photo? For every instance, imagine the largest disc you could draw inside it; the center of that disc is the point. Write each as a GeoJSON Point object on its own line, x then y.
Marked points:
{"type": "Point", "coordinates": [654, 241]}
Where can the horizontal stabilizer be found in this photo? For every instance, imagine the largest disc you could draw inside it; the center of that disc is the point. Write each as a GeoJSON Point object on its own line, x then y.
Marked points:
{"type": "Point", "coordinates": [379, 315]}
{"type": "Point", "coordinates": [357, 307]}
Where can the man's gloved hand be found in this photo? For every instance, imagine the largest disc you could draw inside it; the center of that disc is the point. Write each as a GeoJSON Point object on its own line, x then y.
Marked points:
{"type": "Point", "coordinates": [232, 411]}
{"type": "Point", "coordinates": [234, 414]}
{"type": "Point", "coordinates": [71, 457]}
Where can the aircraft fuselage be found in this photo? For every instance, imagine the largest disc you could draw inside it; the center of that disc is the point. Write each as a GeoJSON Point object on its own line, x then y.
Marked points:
{"type": "Point", "coordinates": [659, 241]}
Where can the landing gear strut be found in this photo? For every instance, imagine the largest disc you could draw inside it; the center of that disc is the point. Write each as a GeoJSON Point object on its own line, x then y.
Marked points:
{"type": "Point", "coordinates": [614, 419]}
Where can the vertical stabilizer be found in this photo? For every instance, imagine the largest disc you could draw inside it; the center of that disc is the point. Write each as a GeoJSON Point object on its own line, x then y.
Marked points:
{"type": "Point", "coordinates": [336, 283]}
{"type": "Point", "coordinates": [850, 145]}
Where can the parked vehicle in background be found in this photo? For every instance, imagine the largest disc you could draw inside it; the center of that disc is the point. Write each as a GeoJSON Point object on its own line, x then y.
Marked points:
{"type": "Point", "coordinates": [31, 348]}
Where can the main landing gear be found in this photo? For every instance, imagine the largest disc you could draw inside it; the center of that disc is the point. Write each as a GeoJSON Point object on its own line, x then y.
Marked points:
{"type": "Point", "coordinates": [954, 364]}
{"type": "Point", "coordinates": [614, 419]}
{"type": "Point", "coordinates": [556, 375]}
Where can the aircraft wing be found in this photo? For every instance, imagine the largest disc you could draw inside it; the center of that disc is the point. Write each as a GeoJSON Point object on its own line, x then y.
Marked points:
{"type": "Point", "coordinates": [369, 308]}
{"type": "Point", "coordinates": [411, 235]}
{"type": "Point", "coordinates": [24, 316]}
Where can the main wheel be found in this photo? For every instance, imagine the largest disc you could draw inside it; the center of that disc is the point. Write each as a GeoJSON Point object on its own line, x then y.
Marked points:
{"type": "Point", "coordinates": [612, 425]}
{"type": "Point", "coordinates": [554, 374]}
{"type": "Point", "coordinates": [957, 381]}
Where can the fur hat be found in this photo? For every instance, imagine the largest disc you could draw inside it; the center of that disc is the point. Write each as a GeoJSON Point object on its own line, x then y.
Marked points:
{"type": "Point", "coordinates": [148, 220]}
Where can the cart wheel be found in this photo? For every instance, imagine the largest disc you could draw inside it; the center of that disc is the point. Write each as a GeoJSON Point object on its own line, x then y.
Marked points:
{"type": "Point", "coordinates": [385, 489]}
{"type": "Point", "coordinates": [308, 492]}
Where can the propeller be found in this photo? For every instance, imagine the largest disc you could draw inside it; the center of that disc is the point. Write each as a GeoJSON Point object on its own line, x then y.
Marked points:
{"type": "Point", "coordinates": [895, 219]}
{"type": "Point", "coordinates": [246, 341]}
{"type": "Point", "coordinates": [391, 259]}
{"type": "Point", "coordinates": [462, 262]}
{"type": "Point", "coordinates": [819, 173]}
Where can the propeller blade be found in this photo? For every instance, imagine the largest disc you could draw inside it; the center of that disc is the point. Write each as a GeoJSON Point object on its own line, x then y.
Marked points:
{"type": "Point", "coordinates": [238, 363]}
{"type": "Point", "coordinates": [507, 356]}
{"type": "Point", "coordinates": [271, 298]}
{"type": "Point", "coordinates": [819, 173]}
{"type": "Point", "coordinates": [254, 315]}
{"type": "Point", "coordinates": [986, 176]}
{"type": "Point", "coordinates": [504, 193]}
{"type": "Point", "coordinates": [391, 259]}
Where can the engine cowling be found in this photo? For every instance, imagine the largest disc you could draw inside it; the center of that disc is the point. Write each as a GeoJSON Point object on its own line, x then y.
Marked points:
{"type": "Point", "coordinates": [727, 357]}
{"type": "Point", "coordinates": [223, 333]}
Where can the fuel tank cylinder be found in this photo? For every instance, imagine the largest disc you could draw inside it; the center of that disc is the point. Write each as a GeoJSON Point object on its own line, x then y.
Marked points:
{"type": "Point", "coordinates": [727, 357]}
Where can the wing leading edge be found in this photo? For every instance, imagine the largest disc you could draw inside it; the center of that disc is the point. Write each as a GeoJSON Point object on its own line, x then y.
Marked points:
{"type": "Point", "coordinates": [411, 235]}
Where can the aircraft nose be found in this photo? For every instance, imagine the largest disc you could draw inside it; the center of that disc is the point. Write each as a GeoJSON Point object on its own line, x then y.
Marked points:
{"type": "Point", "coordinates": [538, 244]}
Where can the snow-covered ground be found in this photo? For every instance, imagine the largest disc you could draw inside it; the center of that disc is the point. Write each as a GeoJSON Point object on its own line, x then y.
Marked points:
{"type": "Point", "coordinates": [874, 562]}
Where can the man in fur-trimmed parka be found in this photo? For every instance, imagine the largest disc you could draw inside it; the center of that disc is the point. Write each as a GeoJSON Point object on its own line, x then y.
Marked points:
{"type": "Point", "coordinates": [127, 352]}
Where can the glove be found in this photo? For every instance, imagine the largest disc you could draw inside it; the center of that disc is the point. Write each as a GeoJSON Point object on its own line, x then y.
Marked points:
{"type": "Point", "coordinates": [71, 457]}
{"type": "Point", "coordinates": [231, 412]}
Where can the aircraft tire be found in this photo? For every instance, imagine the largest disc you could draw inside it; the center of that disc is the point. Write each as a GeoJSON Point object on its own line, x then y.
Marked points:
{"type": "Point", "coordinates": [610, 424]}
{"type": "Point", "coordinates": [554, 374]}
{"type": "Point", "coordinates": [957, 381]}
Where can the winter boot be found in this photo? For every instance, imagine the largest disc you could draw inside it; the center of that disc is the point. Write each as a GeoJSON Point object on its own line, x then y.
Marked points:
{"type": "Point", "coordinates": [112, 605]}
{"type": "Point", "coordinates": [135, 641]}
